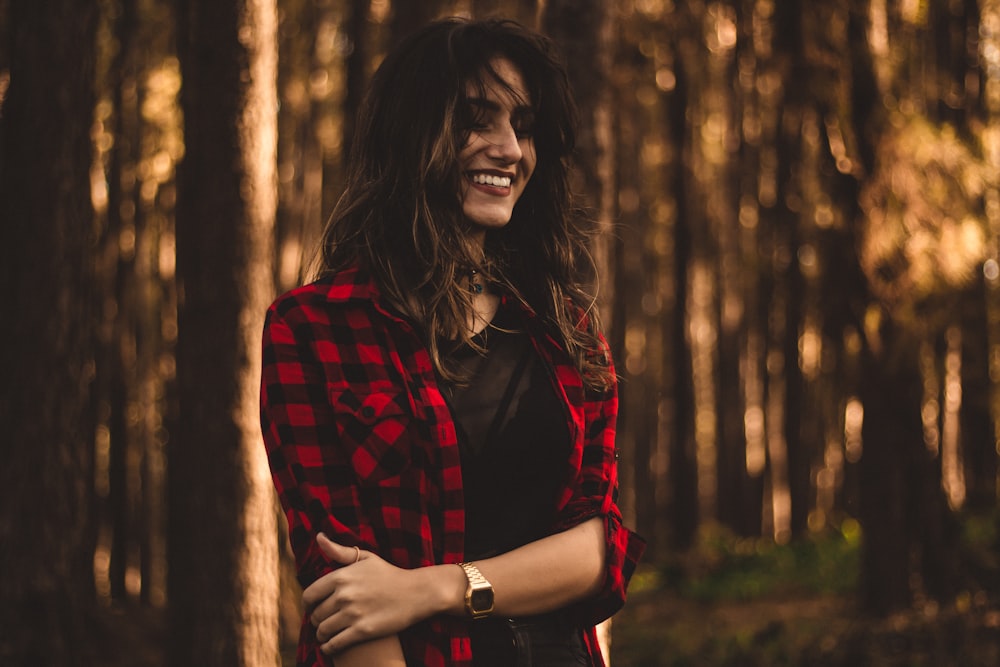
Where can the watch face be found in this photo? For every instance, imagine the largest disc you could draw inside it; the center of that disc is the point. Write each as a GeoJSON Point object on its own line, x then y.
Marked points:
{"type": "Point", "coordinates": [482, 599]}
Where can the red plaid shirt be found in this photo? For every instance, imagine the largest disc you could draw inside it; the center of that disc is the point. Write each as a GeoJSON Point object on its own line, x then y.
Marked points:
{"type": "Point", "coordinates": [362, 446]}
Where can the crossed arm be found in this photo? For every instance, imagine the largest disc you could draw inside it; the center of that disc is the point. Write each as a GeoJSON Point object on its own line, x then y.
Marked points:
{"type": "Point", "coordinates": [358, 609]}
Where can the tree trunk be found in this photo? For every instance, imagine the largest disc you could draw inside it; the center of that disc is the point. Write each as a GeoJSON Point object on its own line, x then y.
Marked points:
{"type": "Point", "coordinates": [908, 530]}
{"type": "Point", "coordinates": [46, 537]}
{"type": "Point", "coordinates": [584, 31]}
{"type": "Point", "coordinates": [979, 441]}
{"type": "Point", "coordinates": [223, 578]}
{"type": "Point", "coordinates": [891, 395]}
{"type": "Point", "coordinates": [355, 69]}
{"type": "Point", "coordinates": [683, 471]}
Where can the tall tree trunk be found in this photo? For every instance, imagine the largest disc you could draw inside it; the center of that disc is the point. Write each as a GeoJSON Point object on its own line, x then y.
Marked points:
{"type": "Point", "coordinates": [46, 538]}
{"type": "Point", "coordinates": [893, 442]}
{"type": "Point", "coordinates": [793, 63]}
{"type": "Point", "coordinates": [355, 69]}
{"type": "Point", "coordinates": [909, 531]}
{"type": "Point", "coordinates": [223, 578]}
{"type": "Point", "coordinates": [121, 366]}
{"type": "Point", "coordinates": [979, 441]}
{"type": "Point", "coordinates": [584, 31]}
{"type": "Point", "coordinates": [683, 471]}
{"type": "Point", "coordinates": [732, 314]}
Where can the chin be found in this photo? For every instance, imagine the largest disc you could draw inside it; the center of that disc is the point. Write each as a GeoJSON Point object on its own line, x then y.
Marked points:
{"type": "Point", "coordinates": [489, 221]}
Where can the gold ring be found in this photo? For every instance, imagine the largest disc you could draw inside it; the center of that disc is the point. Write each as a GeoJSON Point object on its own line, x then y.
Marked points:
{"type": "Point", "coordinates": [357, 551]}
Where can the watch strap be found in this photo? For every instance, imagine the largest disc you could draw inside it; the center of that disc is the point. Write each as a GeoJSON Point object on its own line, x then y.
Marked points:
{"type": "Point", "coordinates": [477, 583]}
{"type": "Point", "coordinates": [473, 574]}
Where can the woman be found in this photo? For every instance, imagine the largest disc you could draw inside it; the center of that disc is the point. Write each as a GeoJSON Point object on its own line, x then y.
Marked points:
{"type": "Point", "coordinates": [439, 406]}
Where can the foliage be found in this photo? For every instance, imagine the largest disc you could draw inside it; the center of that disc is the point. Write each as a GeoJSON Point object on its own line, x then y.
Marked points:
{"type": "Point", "coordinates": [722, 567]}
{"type": "Point", "coordinates": [924, 233]}
{"type": "Point", "coordinates": [738, 602]}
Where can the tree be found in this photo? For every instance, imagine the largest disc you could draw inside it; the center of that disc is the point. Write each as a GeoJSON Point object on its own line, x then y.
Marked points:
{"type": "Point", "coordinates": [222, 518]}
{"type": "Point", "coordinates": [46, 537]}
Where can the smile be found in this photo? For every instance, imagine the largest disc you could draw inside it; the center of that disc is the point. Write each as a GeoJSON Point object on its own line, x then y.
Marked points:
{"type": "Point", "coordinates": [491, 180]}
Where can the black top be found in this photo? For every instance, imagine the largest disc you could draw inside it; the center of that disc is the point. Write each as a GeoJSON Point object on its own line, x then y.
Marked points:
{"type": "Point", "coordinates": [513, 437]}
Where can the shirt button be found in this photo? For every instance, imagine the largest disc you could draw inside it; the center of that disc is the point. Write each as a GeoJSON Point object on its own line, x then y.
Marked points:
{"type": "Point", "coordinates": [368, 412]}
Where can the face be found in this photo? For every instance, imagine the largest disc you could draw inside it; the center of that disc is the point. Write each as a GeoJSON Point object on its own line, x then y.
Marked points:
{"type": "Point", "coordinates": [499, 157]}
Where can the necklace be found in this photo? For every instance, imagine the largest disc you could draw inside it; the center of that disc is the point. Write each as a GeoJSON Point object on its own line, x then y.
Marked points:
{"type": "Point", "coordinates": [475, 283]}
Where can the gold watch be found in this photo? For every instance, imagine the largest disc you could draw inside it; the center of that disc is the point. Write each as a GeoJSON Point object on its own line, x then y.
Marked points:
{"type": "Point", "coordinates": [479, 594]}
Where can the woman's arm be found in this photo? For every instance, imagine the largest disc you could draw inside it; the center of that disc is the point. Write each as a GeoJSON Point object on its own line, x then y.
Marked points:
{"type": "Point", "coordinates": [381, 652]}
{"type": "Point", "coordinates": [373, 598]}
{"type": "Point", "coordinates": [298, 426]}
{"type": "Point", "coordinates": [539, 577]}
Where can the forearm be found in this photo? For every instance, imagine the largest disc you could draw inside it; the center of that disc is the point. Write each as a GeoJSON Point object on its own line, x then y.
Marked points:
{"type": "Point", "coordinates": [539, 577]}
{"type": "Point", "coordinates": [382, 652]}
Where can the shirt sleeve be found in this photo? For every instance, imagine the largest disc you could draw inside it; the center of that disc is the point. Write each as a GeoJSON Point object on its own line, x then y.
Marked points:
{"type": "Point", "coordinates": [311, 472]}
{"type": "Point", "coordinates": [595, 494]}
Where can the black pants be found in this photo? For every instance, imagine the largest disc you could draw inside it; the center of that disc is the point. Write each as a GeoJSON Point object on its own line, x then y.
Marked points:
{"type": "Point", "coordinates": [534, 641]}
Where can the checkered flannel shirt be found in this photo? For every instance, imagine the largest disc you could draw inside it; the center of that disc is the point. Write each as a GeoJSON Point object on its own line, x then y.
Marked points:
{"type": "Point", "coordinates": [363, 447]}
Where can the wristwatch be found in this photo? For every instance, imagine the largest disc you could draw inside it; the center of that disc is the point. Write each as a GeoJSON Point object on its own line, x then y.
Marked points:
{"type": "Point", "coordinates": [479, 594]}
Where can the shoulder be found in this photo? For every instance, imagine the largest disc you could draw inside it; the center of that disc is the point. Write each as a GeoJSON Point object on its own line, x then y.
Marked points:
{"type": "Point", "coordinates": [326, 298]}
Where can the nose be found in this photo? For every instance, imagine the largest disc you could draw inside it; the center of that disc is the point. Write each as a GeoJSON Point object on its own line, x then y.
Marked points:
{"type": "Point", "coordinates": [504, 145]}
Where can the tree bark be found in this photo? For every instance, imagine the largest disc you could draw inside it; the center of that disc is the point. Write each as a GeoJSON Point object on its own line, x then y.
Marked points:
{"type": "Point", "coordinates": [584, 31]}
{"type": "Point", "coordinates": [979, 441]}
{"type": "Point", "coordinates": [223, 578]}
{"type": "Point", "coordinates": [46, 537]}
{"type": "Point", "coordinates": [355, 70]}
{"type": "Point", "coordinates": [683, 471]}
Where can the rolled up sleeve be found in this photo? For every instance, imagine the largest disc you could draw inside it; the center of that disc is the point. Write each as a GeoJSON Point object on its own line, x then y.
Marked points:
{"type": "Point", "coordinates": [595, 494]}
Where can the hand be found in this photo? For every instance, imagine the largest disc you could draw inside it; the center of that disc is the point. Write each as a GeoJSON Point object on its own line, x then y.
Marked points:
{"type": "Point", "coordinates": [365, 599]}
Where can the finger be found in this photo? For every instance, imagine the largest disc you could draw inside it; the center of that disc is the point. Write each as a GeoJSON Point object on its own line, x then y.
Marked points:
{"type": "Point", "coordinates": [344, 640]}
{"type": "Point", "coordinates": [319, 590]}
{"type": "Point", "coordinates": [325, 609]}
{"type": "Point", "coordinates": [326, 545]}
{"type": "Point", "coordinates": [331, 626]}
{"type": "Point", "coordinates": [337, 552]}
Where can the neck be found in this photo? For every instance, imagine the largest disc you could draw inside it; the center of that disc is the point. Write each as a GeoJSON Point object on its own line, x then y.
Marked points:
{"type": "Point", "coordinates": [477, 239]}
{"type": "Point", "coordinates": [484, 303]}
{"type": "Point", "coordinates": [484, 307]}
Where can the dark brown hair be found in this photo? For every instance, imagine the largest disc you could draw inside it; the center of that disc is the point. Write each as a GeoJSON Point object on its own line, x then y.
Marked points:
{"type": "Point", "coordinates": [400, 216]}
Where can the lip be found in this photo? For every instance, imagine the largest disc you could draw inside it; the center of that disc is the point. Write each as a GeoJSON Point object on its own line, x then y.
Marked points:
{"type": "Point", "coordinates": [490, 172]}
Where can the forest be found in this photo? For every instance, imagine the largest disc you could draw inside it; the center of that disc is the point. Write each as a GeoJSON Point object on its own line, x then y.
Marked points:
{"type": "Point", "coordinates": [795, 207]}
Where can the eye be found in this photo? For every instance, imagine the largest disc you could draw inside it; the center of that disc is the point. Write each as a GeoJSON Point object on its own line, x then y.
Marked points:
{"type": "Point", "coordinates": [472, 118]}
{"type": "Point", "coordinates": [523, 123]}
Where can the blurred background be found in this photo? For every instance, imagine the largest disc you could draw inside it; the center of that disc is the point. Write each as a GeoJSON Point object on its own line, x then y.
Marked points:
{"type": "Point", "coordinates": [796, 209]}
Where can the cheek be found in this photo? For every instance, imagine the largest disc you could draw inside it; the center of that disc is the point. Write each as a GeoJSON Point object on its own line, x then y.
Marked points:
{"type": "Point", "coordinates": [530, 160]}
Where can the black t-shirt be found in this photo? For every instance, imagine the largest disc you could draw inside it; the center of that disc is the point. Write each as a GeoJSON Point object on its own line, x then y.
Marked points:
{"type": "Point", "coordinates": [513, 436]}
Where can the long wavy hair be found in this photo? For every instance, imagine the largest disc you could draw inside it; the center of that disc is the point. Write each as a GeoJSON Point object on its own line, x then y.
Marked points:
{"type": "Point", "coordinates": [400, 216]}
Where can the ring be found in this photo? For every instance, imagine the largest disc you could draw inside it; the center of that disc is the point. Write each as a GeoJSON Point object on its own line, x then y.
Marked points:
{"type": "Point", "coordinates": [357, 551]}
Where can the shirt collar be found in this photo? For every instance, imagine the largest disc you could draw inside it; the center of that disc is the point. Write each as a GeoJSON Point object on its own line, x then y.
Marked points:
{"type": "Point", "coordinates": [352, 284]}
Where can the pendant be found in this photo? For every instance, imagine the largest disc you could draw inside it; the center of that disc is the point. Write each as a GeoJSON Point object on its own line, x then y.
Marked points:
{"type": "Point", "coordinates": [477, 288]}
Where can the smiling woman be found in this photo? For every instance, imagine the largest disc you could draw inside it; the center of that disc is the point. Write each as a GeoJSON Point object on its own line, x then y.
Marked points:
{"type": "Point", "coordinates": [439, 405]}
{"type": "Point", "coordinates": [498, 157]}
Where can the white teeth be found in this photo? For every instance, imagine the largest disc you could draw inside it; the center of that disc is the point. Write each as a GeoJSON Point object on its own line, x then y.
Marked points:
{"type": "Point", "coordinates": [488, 179]}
